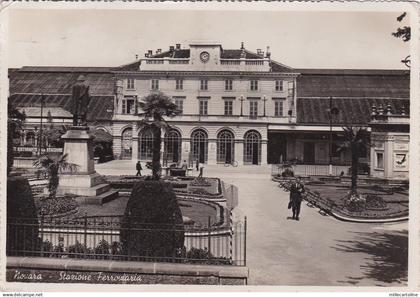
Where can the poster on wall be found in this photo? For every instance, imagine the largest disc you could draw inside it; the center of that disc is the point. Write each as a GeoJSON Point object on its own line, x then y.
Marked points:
{"type": "Point", "coordinates": [401, 161]}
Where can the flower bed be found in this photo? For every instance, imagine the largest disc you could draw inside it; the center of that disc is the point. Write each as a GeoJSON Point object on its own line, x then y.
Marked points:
{"type": "Point", "coordinates": [57, 206]}
{"type": "Point", "coordinates": [369, 204]}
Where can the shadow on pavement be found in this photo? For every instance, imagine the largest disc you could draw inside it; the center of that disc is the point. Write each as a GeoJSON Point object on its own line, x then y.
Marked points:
{"type": "Point", "coordinates": [387, 255]}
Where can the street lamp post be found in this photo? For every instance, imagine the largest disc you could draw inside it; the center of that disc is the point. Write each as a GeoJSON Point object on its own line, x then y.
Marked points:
{"type": "Point", "coordinates": [242, 100]}
{"type": "Point", "coordinates": [331, 111]}
{"type": "Point", "coordinates": [40, 128]}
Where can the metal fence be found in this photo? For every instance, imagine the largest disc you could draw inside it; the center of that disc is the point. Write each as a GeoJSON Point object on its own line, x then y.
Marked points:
{"type": "Point", "coordinates": [111, 237]}
{"type": "Point", "coordinates": [312, 170]}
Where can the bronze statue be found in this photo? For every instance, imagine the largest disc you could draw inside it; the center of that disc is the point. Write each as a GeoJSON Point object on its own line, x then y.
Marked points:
{"type": "Point", "coordinates": [80, 100]}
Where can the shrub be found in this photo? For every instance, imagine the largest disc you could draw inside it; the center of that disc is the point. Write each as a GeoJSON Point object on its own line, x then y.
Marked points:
{"type": "Point", "coordinates": [152, 224]}
{"type": "Point", "coordinates": [288, 173]}
{"type": "Point", "coordinates": [22, 219]}
{"type": "Point", "coordinates": [55, 205]}
{"type": "Point", "coordinates": [78, 250]}
{"type": "Point", "coordinates": [355, 202]}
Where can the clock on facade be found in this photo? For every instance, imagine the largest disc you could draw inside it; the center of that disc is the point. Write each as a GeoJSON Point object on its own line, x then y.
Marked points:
{"type": "Point", "coordinates": [204, 57]}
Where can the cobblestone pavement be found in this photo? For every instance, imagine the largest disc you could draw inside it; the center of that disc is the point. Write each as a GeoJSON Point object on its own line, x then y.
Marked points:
{"type": "Point", "coordinates": [317, 250]}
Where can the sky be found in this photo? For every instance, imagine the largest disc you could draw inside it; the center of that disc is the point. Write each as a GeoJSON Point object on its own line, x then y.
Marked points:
{"type": "Point", "coordinates": [353, 40]}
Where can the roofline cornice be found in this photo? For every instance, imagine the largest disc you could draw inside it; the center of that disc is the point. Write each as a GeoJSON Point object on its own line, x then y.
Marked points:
{"type": "Point", "coordinates": [206, 73]}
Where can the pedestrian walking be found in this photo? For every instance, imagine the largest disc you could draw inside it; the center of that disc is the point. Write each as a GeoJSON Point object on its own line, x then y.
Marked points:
{"type": "Point", "coordinates": [197, 164]}
{"type": "Point", "coordinates": [138, 168]}
{"type": "Point", "coordinates": [296, 191]}
{"type": "Point", "coordinates": [201, 167]}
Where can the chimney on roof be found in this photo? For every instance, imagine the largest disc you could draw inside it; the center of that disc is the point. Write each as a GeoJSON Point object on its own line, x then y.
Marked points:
{"type": "Point", "coordinates": [178, 46]}
{"type": "Point", "coordinates": [150, 52]}
{"type": "Point", "coordinates": [171, 48]}
{"type": "Point", "coordinates": [242, 45]}
{"type": "Point", "coordinates": [268, 54]}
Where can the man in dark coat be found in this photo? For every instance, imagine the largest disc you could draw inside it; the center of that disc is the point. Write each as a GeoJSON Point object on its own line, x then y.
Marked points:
{"type": "Point", "coordinates": [138, 168]}
{"type": "Point", "coordinates": [80, 101]}
{"type": "Point", "coordinates": [296, 191]}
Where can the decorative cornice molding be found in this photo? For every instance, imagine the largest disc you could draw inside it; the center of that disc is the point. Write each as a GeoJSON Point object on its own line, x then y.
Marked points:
{"type": "Point", "coordinates": [239, 74]}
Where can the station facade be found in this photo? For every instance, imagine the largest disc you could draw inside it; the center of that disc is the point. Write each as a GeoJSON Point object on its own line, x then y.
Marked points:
{"type": "Point", "coordinates": [236, 104]}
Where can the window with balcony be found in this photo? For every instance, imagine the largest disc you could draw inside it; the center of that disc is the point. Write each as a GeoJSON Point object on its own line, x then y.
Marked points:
{"type": "Point", "coordinates": [155, 84]}
{"type": "Point", "coordinates": [253, 108]}
{"type": "Point", "coordinates": [130, 84]}
{"type": "Point", "coordinates": [128, 106]}
{"type": "Point", "coordinates": [228, 107]}
{"type": "Point", "coordinates": [278, 107]}
{"type": "Point", "coordinates": [203, 107]}
{"type": "Point", "coordinates": [228, 85]}
{"type": "Point", "coordinates": [253, 85]}
{"type": "Point", "coordinates": [204, 84]}
{"type": "Point", "coordinates": [279, 86]}
{"type": "Point", "coordinates": [179, 102]}
{"type": "Point", "coordinates": [179, 84]}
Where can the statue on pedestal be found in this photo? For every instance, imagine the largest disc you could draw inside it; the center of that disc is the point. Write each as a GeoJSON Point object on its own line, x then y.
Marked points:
{"type": "Point", "coordinates": [80, 101]}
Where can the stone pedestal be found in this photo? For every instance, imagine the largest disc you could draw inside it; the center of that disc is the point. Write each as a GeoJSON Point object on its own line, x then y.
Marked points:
{"type": "Point", "coordinates": [78, 145]}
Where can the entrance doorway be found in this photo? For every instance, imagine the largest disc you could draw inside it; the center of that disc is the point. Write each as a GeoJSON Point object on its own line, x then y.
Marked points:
{"type": "Point", "coordinates": [252, 148]}
{"type": "Point", "coordinates": [308, 152]}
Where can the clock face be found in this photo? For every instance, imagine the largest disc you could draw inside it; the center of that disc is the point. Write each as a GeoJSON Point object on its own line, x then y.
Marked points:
{"type": "Point", "coordinates": [204, 57]}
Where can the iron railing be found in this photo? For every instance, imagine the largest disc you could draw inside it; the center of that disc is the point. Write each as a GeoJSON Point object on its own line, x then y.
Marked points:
{"type": "Point", "coordinates": [110, 237]}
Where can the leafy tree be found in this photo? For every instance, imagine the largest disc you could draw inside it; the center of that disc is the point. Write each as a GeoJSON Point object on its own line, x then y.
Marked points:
{"type": "Point", "coordinates": [15, 121]}
{"type": "Point", "coordinates": [52, 165]}
{"type": "Point", "coordinates": [356, 139]}
{"type": "Point", "coordinates": [156, 106]}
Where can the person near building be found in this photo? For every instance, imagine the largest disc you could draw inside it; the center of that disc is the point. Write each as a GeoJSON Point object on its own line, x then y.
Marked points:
{"type": "Point", "coordinates": [138, 168]}
{"type": "Point", "coordinates": [201, 168]}
{"type": "Point", "coordinates": [197, 164]}
{"type": "Point", "coordinates": [296, 191]}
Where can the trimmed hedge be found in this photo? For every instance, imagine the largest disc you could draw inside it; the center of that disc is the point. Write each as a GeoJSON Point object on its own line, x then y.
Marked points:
{"type": "Point", "coordinates": [152, 225]}
{"type": "Point", "coordinates": [22, 218]}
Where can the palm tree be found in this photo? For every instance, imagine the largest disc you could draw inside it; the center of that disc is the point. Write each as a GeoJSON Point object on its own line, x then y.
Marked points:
{"type": "Point", "coordinates": [156, 106]}
{"type": "Point", "coordinates": [52, 165]}
{"type": "Point", "coordinates": [356, 140]}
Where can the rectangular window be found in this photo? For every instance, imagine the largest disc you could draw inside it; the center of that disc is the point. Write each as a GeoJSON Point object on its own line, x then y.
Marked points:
{"type": "Point", "coordinates": [290, 88]}
{"type": "Point", "coordinates": [279, 85]}
{"type": "Point", "coordinates": [130, 84]}
{"type": "Point", "coordinates": [155, 84]}
{"type": "Point", "coordinates": [228, 107]}
{"type": "Point", "coordinates": [380, 160]}
{"type": "Point", "coordinates": [179, 102]}
{"type": "Point", "coordinates": [228, 85]}
{"type": "Point", "coordinates": [179, 84]}
{"type": "Point", "coordinates": [253, 109]}
{"type": "Point", "coordinates": [203, 107]}
{"type": "Point", "coordinates": [204, 85]}
{"type": "Point", "coordinates": [128, 106]}
{"type": "Point", "coordinates": [253, 85]}
{"type": "Point", "coordinates": [278, 108]}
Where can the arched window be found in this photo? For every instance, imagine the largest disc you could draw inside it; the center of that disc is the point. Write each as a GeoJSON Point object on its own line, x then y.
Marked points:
{"type": "Point", "coordinates": [252, 147]}
{"type": "Point", "coordinates": [199, 145]}
{"type": "Point", "coordinates": [126, 143]}
{"type": "Point", "coordinates": [172, 146]}
{"type": "Point", "coordinates": [146, 144]}
{"type": "Point", "coordinates": [225, 147]}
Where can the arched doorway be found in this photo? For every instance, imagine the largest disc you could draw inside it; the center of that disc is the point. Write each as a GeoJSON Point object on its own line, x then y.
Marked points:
{"type": "Point", "coordinates": [172, 146]}
{"type": "Point", "coordinates": [252, 147]}
{"type": "Point", "coordinates": [225, 147]}
{"type": "Point", "coordinates": [145, 144]}
{"type": "Point", "coordinates": [199, 145]}
{"type": "Point", "coordinates": [126, 143]}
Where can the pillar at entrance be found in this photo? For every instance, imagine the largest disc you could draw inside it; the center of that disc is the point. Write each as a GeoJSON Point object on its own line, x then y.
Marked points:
{"type": "Point", "coordinates": [212, 152]}
{"type": "Point", "coordinates": [134, 149]}
{"type": "Point", "coordinates": [239, 152]}
{"type": "Point", "coordinates": [264, 152]}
